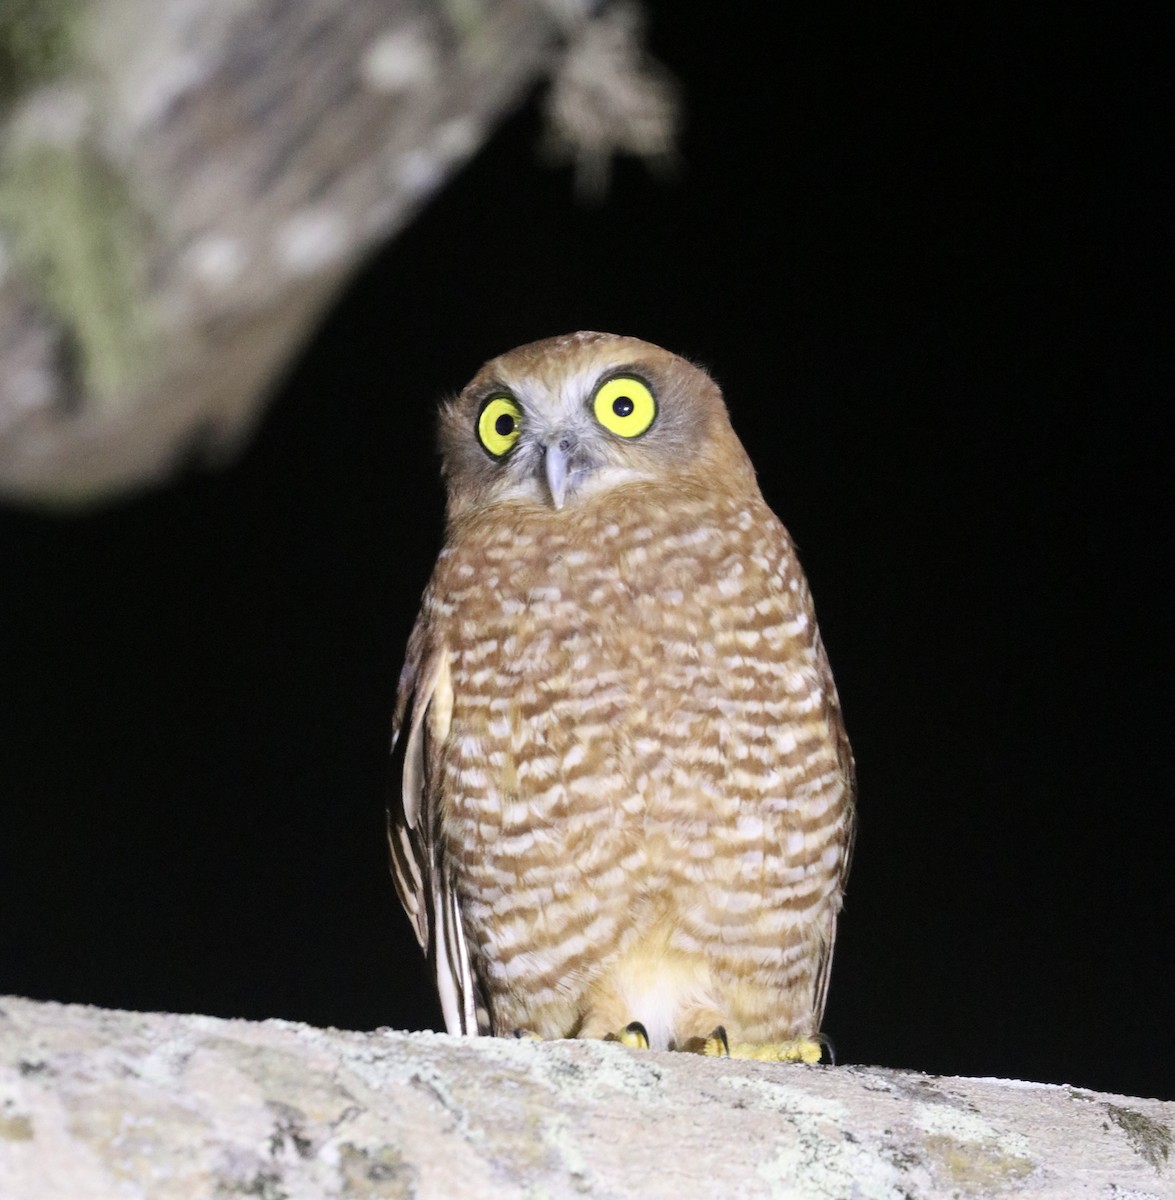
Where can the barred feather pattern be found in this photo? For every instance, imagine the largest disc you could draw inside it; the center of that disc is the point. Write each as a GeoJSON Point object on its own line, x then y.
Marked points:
{"type": "Point", "coordinates": [641, 796]}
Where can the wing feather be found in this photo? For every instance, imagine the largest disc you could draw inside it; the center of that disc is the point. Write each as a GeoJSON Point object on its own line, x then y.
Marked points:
{"type": "Point", "coordinates": [848, 773]}
{"type": "Point", "coordinates": [423, 877]}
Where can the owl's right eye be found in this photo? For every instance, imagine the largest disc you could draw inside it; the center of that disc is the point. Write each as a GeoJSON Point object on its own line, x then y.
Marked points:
{"type": "Point", "coordinates": [499, 424]}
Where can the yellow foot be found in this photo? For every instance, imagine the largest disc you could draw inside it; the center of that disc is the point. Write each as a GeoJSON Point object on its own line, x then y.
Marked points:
{"type": "Point", "coordinates": [803, 1050]}
{"type": "Point", "coordinates": [528, 1034]}
{"type": "Point", "coordinates": [633, 1034]}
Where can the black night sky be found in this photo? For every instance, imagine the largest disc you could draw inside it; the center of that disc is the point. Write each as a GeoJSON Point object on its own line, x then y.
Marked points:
{"type": "Point", "coordinates": [924, 257]}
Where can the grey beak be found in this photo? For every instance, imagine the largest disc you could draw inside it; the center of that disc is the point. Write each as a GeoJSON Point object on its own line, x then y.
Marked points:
{"type": "Point", "coordinates": [555, 469]}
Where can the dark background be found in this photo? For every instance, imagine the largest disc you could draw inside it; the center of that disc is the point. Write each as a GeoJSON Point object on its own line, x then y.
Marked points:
{"type": "Point", "coordinates": [925, 260]}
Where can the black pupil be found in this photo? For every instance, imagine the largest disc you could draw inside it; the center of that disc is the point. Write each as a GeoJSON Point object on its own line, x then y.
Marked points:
{"type": "Point", "coordinates": [622, 406]}
{"type": "Point", "coordinates": [504, 425]}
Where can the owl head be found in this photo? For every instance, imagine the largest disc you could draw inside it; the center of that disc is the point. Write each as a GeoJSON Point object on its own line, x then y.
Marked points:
{"type": "Point", "coordinates": [559, 422]}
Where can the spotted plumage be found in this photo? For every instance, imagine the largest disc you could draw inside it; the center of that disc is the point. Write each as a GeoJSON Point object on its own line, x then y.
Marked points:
{"type": "Point", "coordinates": [626, 790]}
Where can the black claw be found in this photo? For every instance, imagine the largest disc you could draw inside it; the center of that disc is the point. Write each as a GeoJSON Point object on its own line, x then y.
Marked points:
{"type": "Point", "coordinates": [637, 1027]}
{"type": "Point", "coordinates": [719, 1034]}
{"type": "Point", "coordinates": [829, 1048]}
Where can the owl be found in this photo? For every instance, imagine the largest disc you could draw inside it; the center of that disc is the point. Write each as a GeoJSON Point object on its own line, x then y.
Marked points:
{"type": "Point", "coordinates": [625, 792]}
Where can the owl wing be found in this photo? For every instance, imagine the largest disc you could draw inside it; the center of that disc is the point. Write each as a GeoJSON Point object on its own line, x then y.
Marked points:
{"type": "Point", "coordinates": [424, 880]}
{"type": "Point", "coordinates": [848, 771]}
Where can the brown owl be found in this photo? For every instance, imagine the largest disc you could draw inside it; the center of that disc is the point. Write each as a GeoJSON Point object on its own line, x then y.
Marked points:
{"type": "Point", "coordinates": [626, 793]}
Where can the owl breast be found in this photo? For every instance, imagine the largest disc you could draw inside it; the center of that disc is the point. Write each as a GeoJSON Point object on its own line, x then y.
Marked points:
{"type": "Point", "coordinates": [642, 780]}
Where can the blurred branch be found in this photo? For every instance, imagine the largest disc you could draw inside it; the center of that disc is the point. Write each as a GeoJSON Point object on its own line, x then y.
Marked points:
{"type": "Point", "coordinates": [185, 186]}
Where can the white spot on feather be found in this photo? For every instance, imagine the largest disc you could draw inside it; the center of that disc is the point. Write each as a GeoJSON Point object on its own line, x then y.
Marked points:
{"type": "Point", "coordinates": [750, 826]}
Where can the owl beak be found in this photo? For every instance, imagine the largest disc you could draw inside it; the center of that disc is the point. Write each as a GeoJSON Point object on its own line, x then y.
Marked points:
{"type": "Point", "coordinates": [555, 469]}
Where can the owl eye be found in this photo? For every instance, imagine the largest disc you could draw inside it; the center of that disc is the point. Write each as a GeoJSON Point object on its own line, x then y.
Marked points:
{"type": "Point", "coordinates": [625, 406]}
{"type": "Point", "coordinates": [499, 424]}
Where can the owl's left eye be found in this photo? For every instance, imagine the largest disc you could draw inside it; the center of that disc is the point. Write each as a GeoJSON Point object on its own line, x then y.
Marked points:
{"type": "Point", "coordinates": [625, 405]}
{"type": "Point", "coordinates": [499, 424]}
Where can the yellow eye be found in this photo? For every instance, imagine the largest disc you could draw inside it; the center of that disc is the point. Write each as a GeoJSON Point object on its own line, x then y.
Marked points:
{"type": "Point", "coordinates": [499, 425]}
{"type": "Point", "coordinates": [625, 406]}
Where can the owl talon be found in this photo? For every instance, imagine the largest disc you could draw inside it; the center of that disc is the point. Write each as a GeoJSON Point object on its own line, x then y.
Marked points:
{"type": "Point", "coordinates": [634, 1035]}
{"type": "Point", "coordinates": [527, 1034]}
{"type": "Point", "coordinates": [717, 1045]}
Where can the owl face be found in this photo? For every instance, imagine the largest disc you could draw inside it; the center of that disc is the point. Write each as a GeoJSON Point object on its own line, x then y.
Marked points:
{"type": "Point", "coordinates": [560, 421]}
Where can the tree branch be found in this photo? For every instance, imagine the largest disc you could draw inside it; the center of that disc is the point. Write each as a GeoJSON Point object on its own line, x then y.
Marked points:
{"type": "Point", "coordinates": [99, 1103]}
{"type": "Point", "coordinates": [185, 186]}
